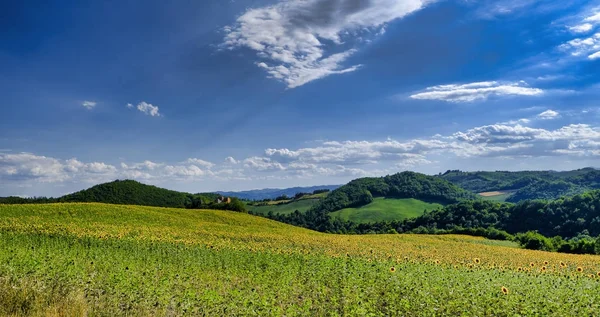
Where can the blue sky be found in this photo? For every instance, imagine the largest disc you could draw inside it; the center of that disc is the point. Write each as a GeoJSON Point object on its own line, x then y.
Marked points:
{"type": "Point", "coordinates": [232, 95]}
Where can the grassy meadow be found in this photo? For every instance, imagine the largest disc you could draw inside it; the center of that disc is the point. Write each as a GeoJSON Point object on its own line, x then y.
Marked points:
{"type": "Point", "coordinates": [115, 260]}
{"type": "Point", "coordinates": [386, 209]}
{"type": "Point", "coordinates": [301, 205]}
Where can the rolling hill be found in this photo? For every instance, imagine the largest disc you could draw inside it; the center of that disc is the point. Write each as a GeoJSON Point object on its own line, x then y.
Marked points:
{"type": "Point", "coordinates": [385, 209]}
{"type": "Point", "coordinates": [80, 259]}
{"type": "Point", "coordinates": [526, 185]}
{"type": "Point", "coordinates": [425, 191]}
{"type": "Point", "coordinates": [286, 208]}
{"type": "Point", "coordinates": [130, 192]}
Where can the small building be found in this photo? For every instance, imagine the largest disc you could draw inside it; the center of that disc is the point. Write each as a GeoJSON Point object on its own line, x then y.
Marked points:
{"type": "Point", "coordinates": [222, 199]}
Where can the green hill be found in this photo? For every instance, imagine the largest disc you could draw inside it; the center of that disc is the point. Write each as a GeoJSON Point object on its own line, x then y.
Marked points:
{"type": "Point", "coordinates": [362, 191]}
{"type": "Point", "coordinates": [287, 208]}
{"type": "Point", "coordinates": [576, 217]}
{"type": "Point", "coordinates": [385, 209]}
{"type": "Point", "coordinates": [129, 192]}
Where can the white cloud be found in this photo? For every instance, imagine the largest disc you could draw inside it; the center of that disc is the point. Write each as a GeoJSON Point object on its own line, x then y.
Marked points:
{"type": "Point", "coordinates": [498, 140]}
{"type": "Point", "coordinates": [583, 22]}
{"type": "Point", "coordinates": [184, 171]}
{"type": "Point", "coordinates": [548, 115]}
{"type": "Point", "coordinates": [74, 165]}
{"type": "Point", "coordinates": [582, 46]}
{"type": "Point", "coordinates": [89, 104]}
{"type": "Point", "coordinates": [581, 28]}
{"type": "Point", "coordinates": [476, 91]}
{"type": "Point", "coordinates": [494, 9]}
{"type": "Point", "coordinates": [31, 167]}
{"type": "Point", "coordinates": [28, 166]}
{"type": "Point", "coordinates": [293, 37]}
{"type": "Point", "coordinates": [230, 160]}
{"type": "Point", "coordinates": [146, 108]}
{"type": "Point", "coordinates": [518, 121]}
{"type": "Point", "coordinates": [262, 164]}
{"type": "Point", "coordinates": [594, 55]}
{"type": "Point", "coordinates": [142, 166]}
{"type": "Point", "coordinates": [551, 77]}
{"type": "Point", "coordinates": [338, 159]}
{"type": "Point", "coordinates": [593, 18]}
{"type": "Point", "coordinates": [199, 162]}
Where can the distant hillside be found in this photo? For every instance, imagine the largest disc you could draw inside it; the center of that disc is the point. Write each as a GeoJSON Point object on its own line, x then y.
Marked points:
{"type": "Point", "coordinates": [130, 192]}
{"type": "Point", "coordinates": [527, 184]}
{"type": "Point", "coordinates": [286, 208]}
{"type": "Point", "coordinates": [360, 192]}
{"type": "Point", "coordinates": [272, 193]}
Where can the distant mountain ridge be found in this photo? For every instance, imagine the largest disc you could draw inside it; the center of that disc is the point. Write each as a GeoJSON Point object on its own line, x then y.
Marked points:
{"type": "Point", "coordinates": [272, 193]}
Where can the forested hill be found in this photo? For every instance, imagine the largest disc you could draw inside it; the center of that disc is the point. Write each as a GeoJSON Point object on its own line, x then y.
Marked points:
{"type": "Point", "coordinates": [528, 184]}
{"type": "Point", "coordinates": [567, 217]}
{"type": "Point", "coordinates": [360, 192]}
{"type": "Point", "coordinates": [130, 192]}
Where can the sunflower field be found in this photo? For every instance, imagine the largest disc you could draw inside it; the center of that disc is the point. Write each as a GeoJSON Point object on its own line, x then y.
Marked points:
{"type": "Point", "coordinates": [114, 260]}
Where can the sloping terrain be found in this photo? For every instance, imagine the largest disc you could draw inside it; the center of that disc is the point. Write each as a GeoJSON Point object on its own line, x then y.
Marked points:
{"type": "Point", "coordinates": [130, 192]}
{"type": "Point", "coordinates": [117, 260]}
{"type": "Point", "coordinates": [286, 208]}
{"type": "Point", "coordinates": [386, 209]}
{"type": "Point", "coordinates": [361, 196]}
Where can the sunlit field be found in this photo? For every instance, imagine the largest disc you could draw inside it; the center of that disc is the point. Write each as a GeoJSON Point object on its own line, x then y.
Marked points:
{"type": "Point", "coordinates": [109, 260]}
{"type": "Point", "coordinates": [386, 209]}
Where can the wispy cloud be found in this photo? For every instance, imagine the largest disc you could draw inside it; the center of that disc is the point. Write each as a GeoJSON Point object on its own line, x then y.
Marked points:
{"type": "Point", "coordinates": [583, 47]}
{"type": "Point", "coordinates": [583, 25]}
{"type": "Point", "coordinates": [476, 91]}
{"type": "Point", "coordinates": [581, 28]}
{"type": "Point", "coordinates": [494, 9]}
{"type": "Point", "coordinates": [293, 37]}
{"type": "Point", "coordinates": [146, 108]}
{"type": "Point", "coordinates": [231, 160]}
{"type": "Point", "coordinates": [89, 104]}
{"type": "Point", "coordinates": [548, 115]}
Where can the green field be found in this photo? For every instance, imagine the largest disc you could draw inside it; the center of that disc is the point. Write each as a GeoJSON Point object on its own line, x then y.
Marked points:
{"type": "Point", "coordinates": [499, 196]}
{"type": "Point", "coordinates": [301, 205]}
{"type": "Point", "coordinates": [116, 260]}
{"type": "Point", "coordinates": [386, 209]}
